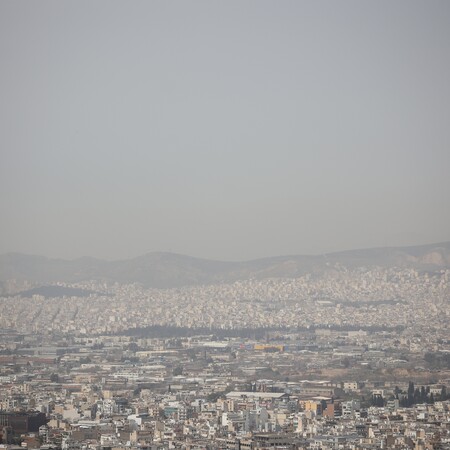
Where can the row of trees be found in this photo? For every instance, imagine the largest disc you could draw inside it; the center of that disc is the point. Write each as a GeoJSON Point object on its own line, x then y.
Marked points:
{"type": "Point", "coordinates": [422, 395]}
{"type": "Point", "coordinates": [413, 396]}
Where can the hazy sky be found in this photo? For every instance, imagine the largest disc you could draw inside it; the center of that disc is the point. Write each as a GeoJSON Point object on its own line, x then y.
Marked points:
{"type": "Point", "coordinates": [229, 130]}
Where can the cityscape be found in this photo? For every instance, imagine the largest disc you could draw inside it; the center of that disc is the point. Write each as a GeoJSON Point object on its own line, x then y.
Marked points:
{"type": "Point", "coordinates": [351, 358]}
{"type": "Point", "coordinates": [224, 225]}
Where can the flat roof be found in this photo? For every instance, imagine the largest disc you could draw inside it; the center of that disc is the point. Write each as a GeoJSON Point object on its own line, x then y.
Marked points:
{"type": "Point", "coordinates": [251, 394]}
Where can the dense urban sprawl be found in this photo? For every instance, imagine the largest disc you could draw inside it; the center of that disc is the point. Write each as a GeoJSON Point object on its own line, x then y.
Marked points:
{"type": "Point", "coordinates": [353, 359]}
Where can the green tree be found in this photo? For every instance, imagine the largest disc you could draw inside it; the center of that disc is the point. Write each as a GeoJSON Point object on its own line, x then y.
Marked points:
{"type": "Point", "coordinates": [54, 378]}
{"type": "Point", "coordinates": [410, 400]}
{"type": "Point", "coordinates": [423, 394]}
{"type": "Point", "coordinates": [177, 371]}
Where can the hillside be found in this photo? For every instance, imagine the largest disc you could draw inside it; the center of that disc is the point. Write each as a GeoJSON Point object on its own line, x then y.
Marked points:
{"type": "Point", "coordinates": [164, 270]}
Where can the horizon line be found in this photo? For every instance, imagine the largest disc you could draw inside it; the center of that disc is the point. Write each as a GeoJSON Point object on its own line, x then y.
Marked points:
{"type": "Point", "coordinates": [162, 252]}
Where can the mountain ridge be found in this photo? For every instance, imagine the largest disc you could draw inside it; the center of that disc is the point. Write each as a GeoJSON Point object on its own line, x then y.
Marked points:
{"type": "Point", "coordinates": [166, 270]}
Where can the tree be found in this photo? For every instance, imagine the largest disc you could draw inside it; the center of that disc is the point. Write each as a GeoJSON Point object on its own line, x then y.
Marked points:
{"type": "Point", "coordinates": [417, 396]}
{"type": "Point", "coordinates": [377, 400]}
{"type": "Point", "coordinates": [423, 394]}
{"type": "Point", "coordinates": [178, 371]}
{"type": "Point", "coordinates": [410, 401]}
{"type": "Point", "coordinates": [54, 378]}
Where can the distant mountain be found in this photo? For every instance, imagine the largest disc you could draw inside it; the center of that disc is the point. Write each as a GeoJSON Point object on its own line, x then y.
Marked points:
{"type": "Point", "coordinates": [164, 270]}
